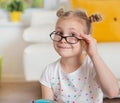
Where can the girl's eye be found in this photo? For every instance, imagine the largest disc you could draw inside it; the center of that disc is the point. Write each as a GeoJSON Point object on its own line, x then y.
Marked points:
{"type": "Point", "coordinates": [73, 34]}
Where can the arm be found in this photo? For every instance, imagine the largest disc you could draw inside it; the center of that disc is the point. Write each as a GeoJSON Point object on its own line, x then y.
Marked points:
{"type": "Point", "coordinates": [104, 76]}
{"type": "Point", "coordinates": [46, 93]}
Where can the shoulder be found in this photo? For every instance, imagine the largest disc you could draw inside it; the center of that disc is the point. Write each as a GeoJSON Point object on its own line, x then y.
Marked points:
{"type": "Point", "coordinates": [88, 61]}
{"type": "Point", "coordinates": [50, 70]}
{"type": "Point", "coordinates": [52, 66]}
{"type": "Point", "coordinates": [90, 67]}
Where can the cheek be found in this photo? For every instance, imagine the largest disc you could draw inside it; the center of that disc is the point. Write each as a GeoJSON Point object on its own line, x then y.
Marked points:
{"type": "Point", "coordinates": [55, 45]}
{"type": "Point", "coordinates": [83, 45]}
{"type": "Point", "coordinates": [78, 47]}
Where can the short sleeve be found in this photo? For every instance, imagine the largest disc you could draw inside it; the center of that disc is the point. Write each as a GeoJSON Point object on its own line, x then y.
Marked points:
{"type": "Point", "coordinates": [45, 77]}
{"type": "Point", "coordinates": [92, 70]}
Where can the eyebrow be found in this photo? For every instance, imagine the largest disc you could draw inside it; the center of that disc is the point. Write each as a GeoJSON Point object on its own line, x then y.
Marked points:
{"type": "Point", "coordinates": [69, 29]}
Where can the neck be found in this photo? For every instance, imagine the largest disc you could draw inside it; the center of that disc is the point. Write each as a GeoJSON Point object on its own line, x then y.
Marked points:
{"type": "Point", "coordinates": [71, 64]}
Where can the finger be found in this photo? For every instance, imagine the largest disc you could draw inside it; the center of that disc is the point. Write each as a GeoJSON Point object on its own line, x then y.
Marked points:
{"type": "Point", "coordinates": [86, 37]}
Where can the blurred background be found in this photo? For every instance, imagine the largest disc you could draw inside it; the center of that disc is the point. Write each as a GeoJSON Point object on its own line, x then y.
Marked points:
{"type": "Point", "coordinates": [24, 31]}
{"type": "Point", "coordinates": [12, 28]}
{"type": "Point", "coordinates": [25, 46]}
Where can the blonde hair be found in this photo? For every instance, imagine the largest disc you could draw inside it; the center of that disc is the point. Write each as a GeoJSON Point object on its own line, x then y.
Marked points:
{"type": "Point", "coordinates": [82, 15]}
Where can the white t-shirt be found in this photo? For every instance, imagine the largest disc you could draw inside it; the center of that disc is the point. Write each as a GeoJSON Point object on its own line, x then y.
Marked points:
{"type": "Point", "coordinates": [76, 87]}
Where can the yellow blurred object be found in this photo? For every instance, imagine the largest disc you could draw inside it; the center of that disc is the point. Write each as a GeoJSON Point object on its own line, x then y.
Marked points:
{"type": "Point", "coordinates": [109, 29]}
{"type": "Point", "coordinates": [15, 16]}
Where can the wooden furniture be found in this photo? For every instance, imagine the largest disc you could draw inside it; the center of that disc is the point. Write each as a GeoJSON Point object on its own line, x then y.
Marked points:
{"type": "Point", "coordinates": [115, 100]}
{"type": "Point", "coordinates": [19, 92]}
{"type": "Point", "coordinates": [24, 92]}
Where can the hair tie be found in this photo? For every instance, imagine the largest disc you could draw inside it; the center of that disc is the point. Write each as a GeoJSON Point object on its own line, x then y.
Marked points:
{"type": "Point", "coordinates": [95, 18]}
{"type": "Point", "coordinates": [60, 12]}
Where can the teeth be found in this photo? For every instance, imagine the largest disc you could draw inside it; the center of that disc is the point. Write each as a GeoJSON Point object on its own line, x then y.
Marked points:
{"type": "Point", "coordinates": [65, 47]}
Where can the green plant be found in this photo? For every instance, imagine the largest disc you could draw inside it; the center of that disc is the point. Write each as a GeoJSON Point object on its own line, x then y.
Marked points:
{"type": "Point", "coordinates": [15, 5]}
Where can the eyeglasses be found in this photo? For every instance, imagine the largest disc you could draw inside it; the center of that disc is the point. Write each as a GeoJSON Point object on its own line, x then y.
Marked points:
{"type": "Point", "coordinates": [57, 36]}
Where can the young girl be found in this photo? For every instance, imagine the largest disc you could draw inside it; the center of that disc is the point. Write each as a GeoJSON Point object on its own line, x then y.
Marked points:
{"type": "Point", "coordinates": [80, 75]}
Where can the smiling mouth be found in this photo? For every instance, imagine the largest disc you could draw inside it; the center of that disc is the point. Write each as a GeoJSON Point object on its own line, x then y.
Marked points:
{"type": "Point", "coordinates": [62, 47]}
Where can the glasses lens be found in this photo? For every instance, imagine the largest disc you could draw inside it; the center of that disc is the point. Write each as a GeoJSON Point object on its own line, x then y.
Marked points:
{"type": "Point", "coordinates": [55, 36]}
{"type": "Point", "coordinates": [69, 39]}
{"type": "Point", "coordinates": [72, 40]}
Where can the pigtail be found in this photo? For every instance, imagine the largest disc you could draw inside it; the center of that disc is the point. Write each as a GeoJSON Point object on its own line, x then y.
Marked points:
{"type": "Point", "coordinates": [60, 12]}
{"type": "Point", "coordinates": [95, 18]}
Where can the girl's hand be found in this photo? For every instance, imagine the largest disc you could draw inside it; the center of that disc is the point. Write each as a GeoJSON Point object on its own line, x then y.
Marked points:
{"type": "Point", "coordinates": [91, 44]}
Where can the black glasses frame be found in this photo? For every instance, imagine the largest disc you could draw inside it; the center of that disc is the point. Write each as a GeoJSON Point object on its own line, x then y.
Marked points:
{"type": "Point", "coordinates": [65, 37]}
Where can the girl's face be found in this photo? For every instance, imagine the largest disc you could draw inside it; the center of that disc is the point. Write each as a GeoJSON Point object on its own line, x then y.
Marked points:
{"type": "Point", "coordinates": [69, 27]}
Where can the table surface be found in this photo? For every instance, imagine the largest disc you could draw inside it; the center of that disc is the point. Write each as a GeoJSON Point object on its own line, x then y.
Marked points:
{"type": "Point", "coordinates": [24, 92]}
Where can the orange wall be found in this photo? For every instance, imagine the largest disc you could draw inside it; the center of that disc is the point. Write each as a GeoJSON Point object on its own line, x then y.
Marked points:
{"type": "Point", "coordinates": [109, 28]}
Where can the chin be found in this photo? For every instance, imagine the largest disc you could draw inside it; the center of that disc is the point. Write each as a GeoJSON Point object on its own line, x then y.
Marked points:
{"type": "Point", "coordinates": [64, 54]}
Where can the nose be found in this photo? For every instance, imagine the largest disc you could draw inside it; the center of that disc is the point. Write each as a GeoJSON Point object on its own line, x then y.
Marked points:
{"type": "Point", "coordinates": [63, 40]}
